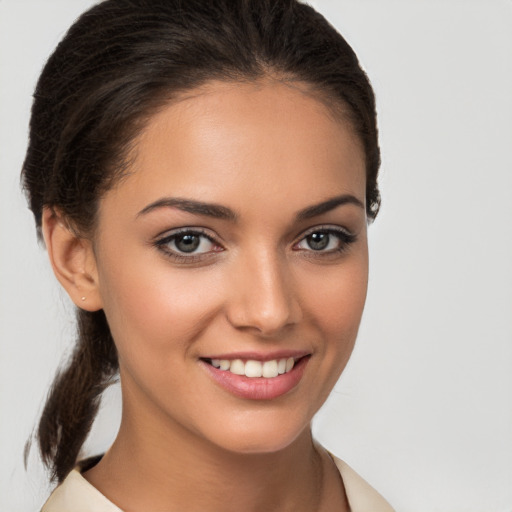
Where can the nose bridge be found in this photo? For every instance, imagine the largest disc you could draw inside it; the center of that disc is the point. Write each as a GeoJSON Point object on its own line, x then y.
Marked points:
{"type": "Point", "coordinates": [265, 298]}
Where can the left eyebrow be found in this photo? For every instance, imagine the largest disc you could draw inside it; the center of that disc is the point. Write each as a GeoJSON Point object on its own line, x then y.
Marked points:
{"type": "Point", "coordinates": [327, 206]}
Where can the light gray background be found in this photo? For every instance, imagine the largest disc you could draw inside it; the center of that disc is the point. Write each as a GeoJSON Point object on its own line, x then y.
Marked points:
{"type": "Point", "coordinates": [424, 409]}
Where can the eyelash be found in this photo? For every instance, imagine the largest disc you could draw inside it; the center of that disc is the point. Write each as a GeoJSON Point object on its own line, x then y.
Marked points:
{"type": "Point", "coordinates": [163, 245]}
{"type": "Point", "coordinates": [345, 239]}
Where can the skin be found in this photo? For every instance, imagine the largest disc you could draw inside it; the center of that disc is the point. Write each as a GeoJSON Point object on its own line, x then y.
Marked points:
{"type": "Point", "coordinates": [266, 151]}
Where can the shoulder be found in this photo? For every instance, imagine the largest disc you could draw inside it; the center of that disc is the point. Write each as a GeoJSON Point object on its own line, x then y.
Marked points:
{"type": "Point", "coordinates": [361, 496]}
{"type": "Point", "coordinates": [76, 494]}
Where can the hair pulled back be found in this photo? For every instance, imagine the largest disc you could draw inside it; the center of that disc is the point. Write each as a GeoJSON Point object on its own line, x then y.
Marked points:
{"type": "Point", "coordinates": [120, 62]}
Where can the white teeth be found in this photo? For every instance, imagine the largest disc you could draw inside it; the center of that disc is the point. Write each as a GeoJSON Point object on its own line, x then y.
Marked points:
{"type": "Point", "coordinates": [224, 364]}
{"type": "Point", "coordinates": [270, 369]}
{"type": "Point", "coordinates": [237, 367]}
{"type": "Point", "coordinates": [254, 369]}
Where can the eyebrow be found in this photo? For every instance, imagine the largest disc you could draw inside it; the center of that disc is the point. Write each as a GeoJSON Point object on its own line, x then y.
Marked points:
{"type": "Point", "coordinates": [327, 206]}
{"type": "Point", "coordinates": [188, 205]}
{"type": "Point", "coordinates": [222, 212]}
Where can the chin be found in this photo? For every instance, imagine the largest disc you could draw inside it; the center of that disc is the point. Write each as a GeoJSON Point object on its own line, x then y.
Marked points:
{"type": "Point", "coordinates": [265, 436]}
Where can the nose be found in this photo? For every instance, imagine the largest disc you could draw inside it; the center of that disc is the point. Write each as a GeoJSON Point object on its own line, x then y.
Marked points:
{"type": "Point", "coordinates": [263, 298]}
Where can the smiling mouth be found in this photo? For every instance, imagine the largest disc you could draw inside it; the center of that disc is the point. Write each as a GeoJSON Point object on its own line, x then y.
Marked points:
{"type": "Point", "coordinates": [254, 377]}
{"type": "Point", "coordinates": [255, 369]}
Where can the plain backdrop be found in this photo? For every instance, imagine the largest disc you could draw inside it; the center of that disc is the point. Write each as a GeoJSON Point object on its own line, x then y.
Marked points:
{"type": "Point", "coordinates": [424, 409]}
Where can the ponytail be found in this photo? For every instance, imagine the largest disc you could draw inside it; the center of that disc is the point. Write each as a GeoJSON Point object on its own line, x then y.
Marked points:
{"type": "Point", "coordinates": [75, 395]}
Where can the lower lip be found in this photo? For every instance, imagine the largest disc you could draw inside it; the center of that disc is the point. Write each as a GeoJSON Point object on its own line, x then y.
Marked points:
{"type": "Point", "coordinates": [258, 388]}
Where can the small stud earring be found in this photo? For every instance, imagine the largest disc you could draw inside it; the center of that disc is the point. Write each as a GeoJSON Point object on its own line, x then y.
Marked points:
{"type": "Point", "coordinates": [83, 298]}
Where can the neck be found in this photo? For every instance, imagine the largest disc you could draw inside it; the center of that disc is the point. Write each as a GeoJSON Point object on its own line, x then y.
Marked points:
{"type": "Point", "coordinates": [136, 476]}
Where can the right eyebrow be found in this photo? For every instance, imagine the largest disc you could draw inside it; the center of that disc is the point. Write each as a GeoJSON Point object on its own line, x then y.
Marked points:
{"type": "Point", "coordinates": [328, 205]}
{"type": "Point", "coordinates": [188, 205]}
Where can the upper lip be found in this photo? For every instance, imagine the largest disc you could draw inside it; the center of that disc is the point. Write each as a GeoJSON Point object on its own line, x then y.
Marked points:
{"type": "Point", "coordinates": [260, 356]}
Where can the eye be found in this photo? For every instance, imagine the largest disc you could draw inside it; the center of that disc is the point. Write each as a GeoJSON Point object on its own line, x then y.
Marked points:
{"type": "Point", "coordinates": [326, 240]}
{"type": "Point", "coordinates": [187, 244]}
{"type": "Point", "coordinates": [191, 242]}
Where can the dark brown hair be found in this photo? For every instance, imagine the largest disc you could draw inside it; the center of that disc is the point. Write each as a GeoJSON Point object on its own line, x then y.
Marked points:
{"type": "Point", "coordinates": [120, 62]}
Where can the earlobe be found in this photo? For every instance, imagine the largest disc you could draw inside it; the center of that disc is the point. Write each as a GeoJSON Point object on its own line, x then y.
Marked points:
{"type": "Point", "coordinates": [73, 261]}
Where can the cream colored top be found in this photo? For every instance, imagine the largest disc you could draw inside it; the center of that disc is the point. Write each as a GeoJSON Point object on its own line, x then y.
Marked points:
{"type": "Point", "coordinates": [76, 494]}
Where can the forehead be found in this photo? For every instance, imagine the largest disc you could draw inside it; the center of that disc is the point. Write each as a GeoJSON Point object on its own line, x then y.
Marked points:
{"type": "Point", "coordinates": [234, 142]}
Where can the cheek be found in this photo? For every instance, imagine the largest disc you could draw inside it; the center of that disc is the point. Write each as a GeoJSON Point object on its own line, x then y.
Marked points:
{"type": "Point", "coordinates": [337, 305]}
{"type": "Point", "coordinates": [343, 302]}
{"type": "Point", "coordinates": [154, 309]}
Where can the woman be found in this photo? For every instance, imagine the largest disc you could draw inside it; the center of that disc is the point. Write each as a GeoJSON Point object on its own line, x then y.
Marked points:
{"type": "Point", "coordinates": [203, 175]}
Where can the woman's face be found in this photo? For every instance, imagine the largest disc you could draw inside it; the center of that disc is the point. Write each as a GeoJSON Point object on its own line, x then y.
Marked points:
{"type": "Point", "coordinates": [236, 245]}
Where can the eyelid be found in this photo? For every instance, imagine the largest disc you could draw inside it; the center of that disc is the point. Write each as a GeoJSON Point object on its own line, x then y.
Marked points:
{"type": "Point", "coordinates": [169, 233]}
{"type": "Point", "coordinates": [333, 228]}
{"type": "Point", "coordinates": [326, 228]}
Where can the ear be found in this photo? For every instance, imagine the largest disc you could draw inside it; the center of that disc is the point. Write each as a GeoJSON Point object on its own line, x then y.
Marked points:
{"type": "Point", "coordinates": [73, 261]}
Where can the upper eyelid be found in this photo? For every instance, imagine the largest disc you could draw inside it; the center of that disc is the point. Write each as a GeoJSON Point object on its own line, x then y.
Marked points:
{"type": "Point", "coordinates": [331, 228]}
{"type": "Point", "coordinates": [169, 233]}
